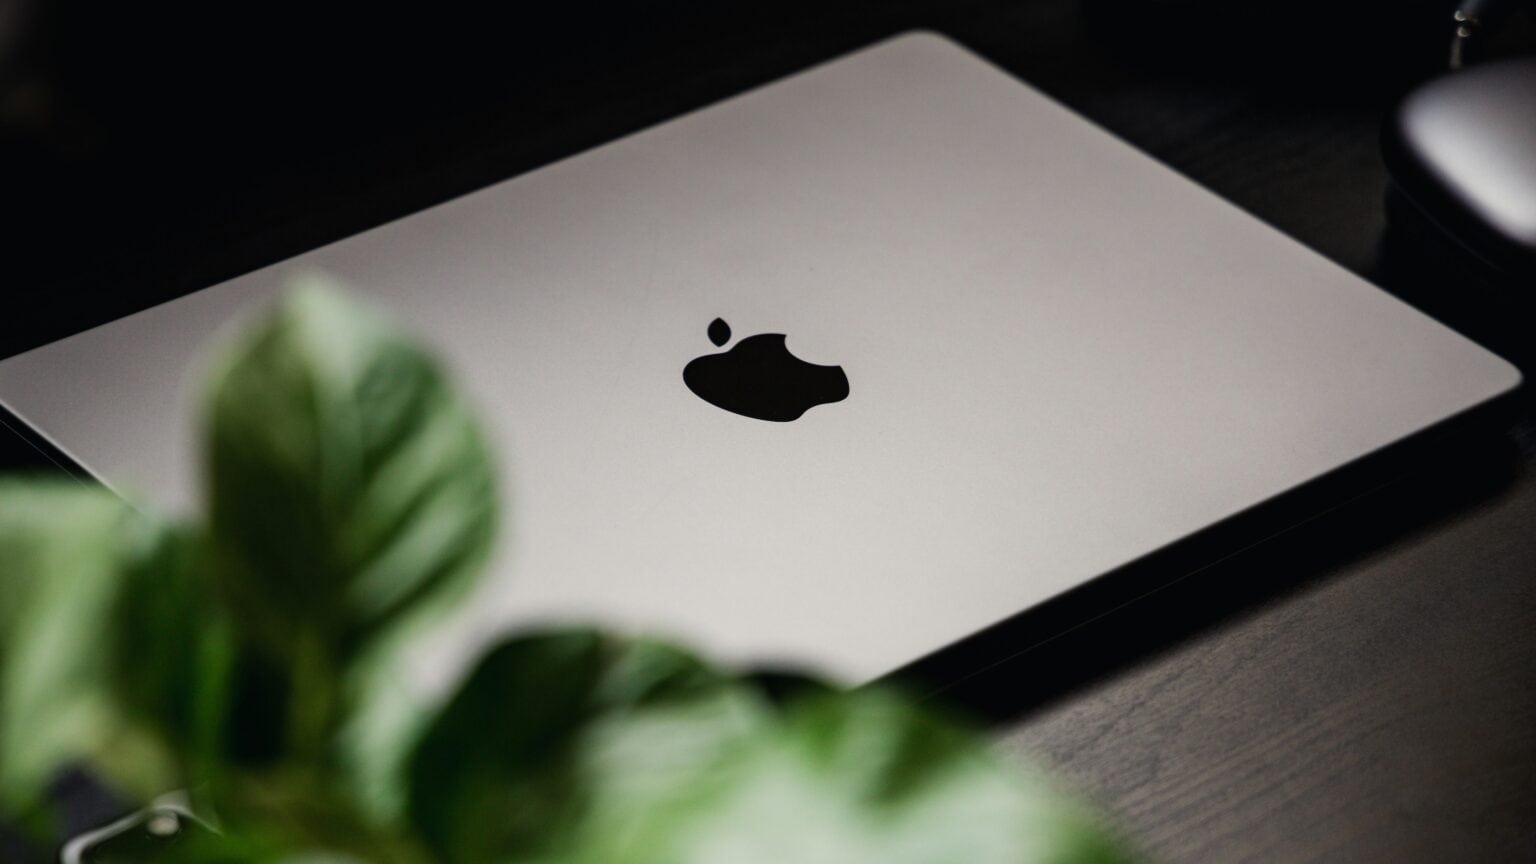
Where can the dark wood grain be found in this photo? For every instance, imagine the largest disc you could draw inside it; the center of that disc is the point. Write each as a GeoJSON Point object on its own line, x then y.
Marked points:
{"type": "Point", "coordinates": [1387, 712]}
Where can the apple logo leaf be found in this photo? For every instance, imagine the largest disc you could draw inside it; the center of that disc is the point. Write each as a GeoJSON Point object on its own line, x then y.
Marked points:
{"type": "Point", "coordinates": [719, 332]}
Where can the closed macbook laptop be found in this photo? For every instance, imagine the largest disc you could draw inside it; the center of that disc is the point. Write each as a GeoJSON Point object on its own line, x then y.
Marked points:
{"type": "Point", "coordinates": [971, 353]}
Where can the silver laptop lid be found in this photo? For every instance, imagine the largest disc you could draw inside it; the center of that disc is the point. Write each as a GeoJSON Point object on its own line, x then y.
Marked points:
{"type": "Point", "coordinates": [1060, 356]}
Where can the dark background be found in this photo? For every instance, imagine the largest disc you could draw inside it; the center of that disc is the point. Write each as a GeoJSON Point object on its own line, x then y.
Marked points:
{"type": "Point", "coordinates": [1363, 688]}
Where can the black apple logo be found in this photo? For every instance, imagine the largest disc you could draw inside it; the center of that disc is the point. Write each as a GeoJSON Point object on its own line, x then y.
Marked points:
{"type": "Point", "coordinates": [760, 378]}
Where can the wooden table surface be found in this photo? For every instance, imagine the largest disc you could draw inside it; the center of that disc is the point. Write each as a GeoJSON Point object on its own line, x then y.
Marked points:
{"type": "Point", "coordinates": [1361, 689]}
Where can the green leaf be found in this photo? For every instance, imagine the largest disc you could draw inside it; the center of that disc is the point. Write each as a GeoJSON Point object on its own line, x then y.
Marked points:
{"type": "Point", "coordinates": [281, 812]}
{"type": "Point", "coordinates": [64, 547]}
{"type": "Point", "coordinates": [386, 718]}
{"type": "Point", "coordinates": [347, 482]}
{"type": "Point", "coordinates": [583, 749]}
{"type": "Point", "coordinates": [498, 774]}
{"type": "Point", "coordinates": [181, 667]}
{"type": "Point", "coordinates": [853, 778]}
{"type": "Point", "coordinates": [194, 843]}
{"type": "Point", "coordinates": [170, 645]}
{"type": "Point", "coordinates": [350, 497]}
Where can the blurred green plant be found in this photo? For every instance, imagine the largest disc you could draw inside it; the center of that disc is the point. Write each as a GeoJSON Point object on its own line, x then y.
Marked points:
{"type": "Point", "coordinates": [246, 658]}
